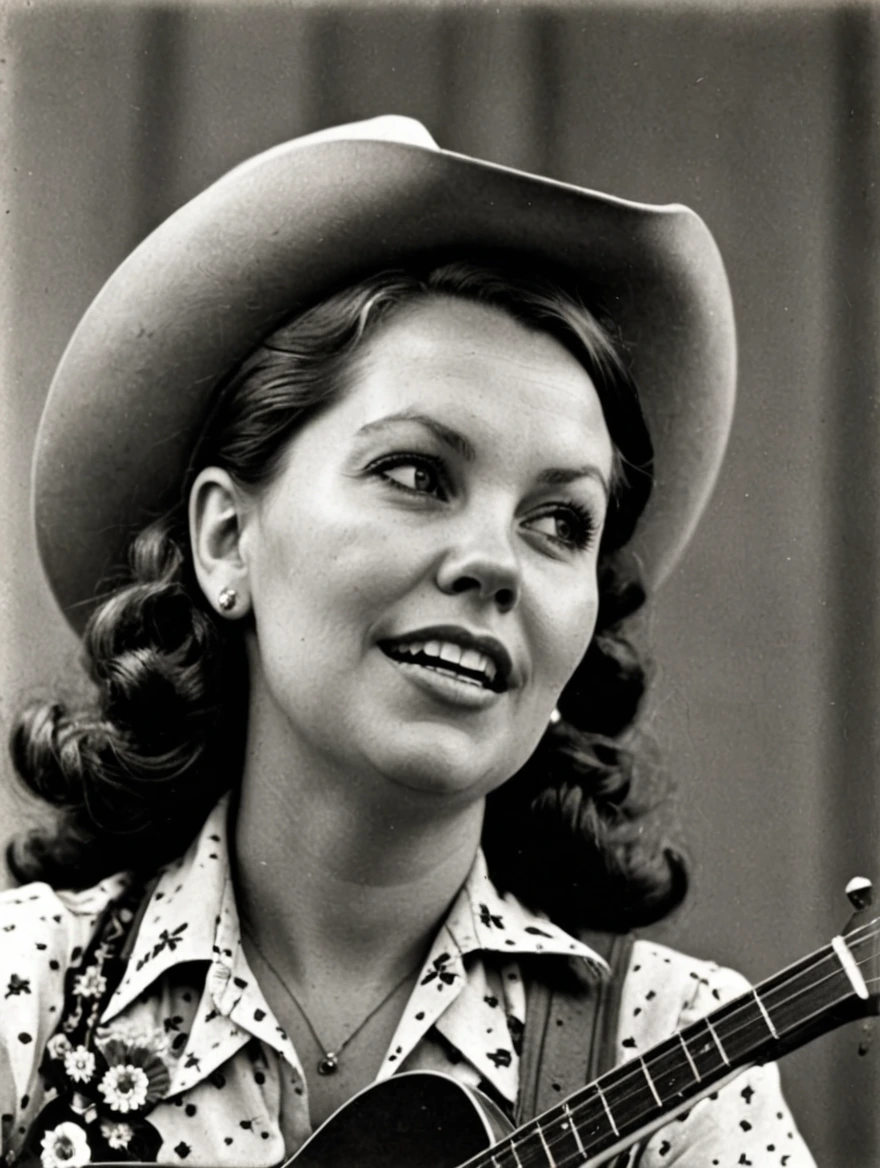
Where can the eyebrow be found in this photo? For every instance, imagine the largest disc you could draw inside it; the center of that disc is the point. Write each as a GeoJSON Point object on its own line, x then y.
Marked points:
{"type": "Point", "coordinates": [452, 438]}
{"type": "Point", "coordinates": [557, 476]}
{"type": "Point", "coordinates": [560, 476]}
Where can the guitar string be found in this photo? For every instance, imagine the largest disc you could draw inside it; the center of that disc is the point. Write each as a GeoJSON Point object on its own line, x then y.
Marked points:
{"type": "Point", "coordinates": [525, 1155]}
{"type": "Point", "coordinates": [637, 1074]}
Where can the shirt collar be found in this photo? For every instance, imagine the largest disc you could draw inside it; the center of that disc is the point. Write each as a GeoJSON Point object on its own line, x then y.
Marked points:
{"type": "Point", "coordinates": [483, 919]}
{"type": "Point", "coordinates": [183, 917]}
{"type": "Point", "coordinates": [479, 1006]}
{"type": "Point", "coordinates": [191, 916]}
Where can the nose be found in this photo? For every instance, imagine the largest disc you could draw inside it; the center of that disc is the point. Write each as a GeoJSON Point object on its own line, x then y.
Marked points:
{"type": "Point", "coordinates": [484, 562]}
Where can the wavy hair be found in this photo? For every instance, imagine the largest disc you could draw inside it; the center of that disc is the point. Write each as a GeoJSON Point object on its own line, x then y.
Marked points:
{"type": "Point", "coordinates": [580, 831]}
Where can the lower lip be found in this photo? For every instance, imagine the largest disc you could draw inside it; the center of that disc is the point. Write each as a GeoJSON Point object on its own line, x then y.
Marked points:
{"type": "Point", "coordinates": [450, 689]}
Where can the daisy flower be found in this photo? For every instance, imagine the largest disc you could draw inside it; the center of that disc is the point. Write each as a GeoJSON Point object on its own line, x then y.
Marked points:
{"type": "Point", "coordinates": [65, 1146]}
{"type": "Point", "coordinates": [146, 1074]}
{"type": "Point", "coordinates": [125, 1087]}
{"type": "Point", "coordinates": [91, 983]}
{"type": "Point", "coordinates": [117, 1135]}
{"type": "Point", "coordinates": [79, 1064]}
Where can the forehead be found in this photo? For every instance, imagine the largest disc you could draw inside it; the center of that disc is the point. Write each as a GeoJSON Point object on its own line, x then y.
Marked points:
{"type": "Point", "coordinates": [475, 364]}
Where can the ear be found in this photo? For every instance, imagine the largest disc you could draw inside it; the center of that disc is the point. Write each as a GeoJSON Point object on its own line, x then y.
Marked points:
{"type": "Point", "coordinates": [218, 513]}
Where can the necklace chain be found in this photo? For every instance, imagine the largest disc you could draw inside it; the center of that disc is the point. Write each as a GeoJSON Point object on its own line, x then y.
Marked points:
{"type": "Point", "coordinates": [328, 1064]}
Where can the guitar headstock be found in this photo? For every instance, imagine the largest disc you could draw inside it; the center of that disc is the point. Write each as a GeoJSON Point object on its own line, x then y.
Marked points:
{"type": "Point", "coordinates": [862, 940]}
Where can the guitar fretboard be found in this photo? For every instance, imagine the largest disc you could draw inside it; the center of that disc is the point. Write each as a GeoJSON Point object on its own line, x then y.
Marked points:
{"type": "Point", "coordinates": [633, 1097]}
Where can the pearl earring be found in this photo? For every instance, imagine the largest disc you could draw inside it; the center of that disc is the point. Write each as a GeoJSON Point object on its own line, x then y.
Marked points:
{"type": "Point", "coordinates": [227, 599]}
{"type": "Point", "coordinates": [555, 717]}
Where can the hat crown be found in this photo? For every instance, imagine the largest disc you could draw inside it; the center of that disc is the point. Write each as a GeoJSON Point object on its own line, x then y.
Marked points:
{"type": "Point", "coordinates": [397, 128]}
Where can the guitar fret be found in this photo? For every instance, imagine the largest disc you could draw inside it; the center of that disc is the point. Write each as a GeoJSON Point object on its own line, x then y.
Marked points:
{"type": "Point", "coordinates": [764, 1013]}
{"type": "Point", "coordinates": [687, 1054]}
{"type": "Point", "coordinates": [550, 1159]}
{"type": "Point", "coordinates": [515, 1155]}
{"type": "Point", "coordinates": [717, 1041]}
{"type": "Point", "coordinates": [574, 1126]}
{"type": "Point", "coordinates": [651, 1082]}
{"type": "Point", "coordinates": [607, 1109]}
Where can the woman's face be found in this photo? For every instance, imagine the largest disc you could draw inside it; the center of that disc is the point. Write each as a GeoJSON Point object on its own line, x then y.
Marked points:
{"type": "Point", "coordinates": [422, 571]}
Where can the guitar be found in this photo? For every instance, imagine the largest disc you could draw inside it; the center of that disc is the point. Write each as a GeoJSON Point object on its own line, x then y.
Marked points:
{"type": "Point", "coordinates": [424, 1119]}
{"type": "Point", "coordinates": [427, 1120]}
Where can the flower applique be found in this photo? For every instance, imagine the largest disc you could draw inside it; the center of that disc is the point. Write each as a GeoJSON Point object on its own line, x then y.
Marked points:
{"type": "Point", "coordinates": [125, 1088]}
{"type": "Point", "coordinates": [105, 1091]}
{"type": "Point", "coordinates": [58, 1046]}
{"type": "Point", "coordinates": [66, 1146]}
{"type": "Point", "coordinates": [91, 983]}
{"type": "Point", "coordinates": [102, 1082]}
{"type": "Point", "coordinates": [117, 1135]}
{"type": "Point", "coordinates": [79, 1063]}
{"type": "Point", "coordinates": [136, 1076]}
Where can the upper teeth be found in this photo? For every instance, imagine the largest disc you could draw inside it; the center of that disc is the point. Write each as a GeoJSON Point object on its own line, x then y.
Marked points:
{"type": "Point", "coordinates": [448, 651]}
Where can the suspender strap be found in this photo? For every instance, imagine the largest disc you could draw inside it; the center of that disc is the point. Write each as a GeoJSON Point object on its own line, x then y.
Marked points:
{"type": "Point", "coordinates": [571, 1026]}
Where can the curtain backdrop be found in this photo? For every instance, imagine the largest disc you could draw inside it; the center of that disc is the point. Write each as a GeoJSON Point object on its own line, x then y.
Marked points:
{"type": "Point", "coordinates": [765, 120]}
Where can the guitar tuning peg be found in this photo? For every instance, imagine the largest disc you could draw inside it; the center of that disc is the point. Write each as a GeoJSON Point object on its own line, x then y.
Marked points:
{"type": "Point", "coordinates": [860, 892]}
{"type": "Point", "coordinates": [867, 1029]}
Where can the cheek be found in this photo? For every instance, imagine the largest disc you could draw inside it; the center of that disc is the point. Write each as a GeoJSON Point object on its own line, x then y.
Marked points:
{"type": "Point", "coordinates": [568, 633]}
{"type": "Point", "coordinates": [328, 573]}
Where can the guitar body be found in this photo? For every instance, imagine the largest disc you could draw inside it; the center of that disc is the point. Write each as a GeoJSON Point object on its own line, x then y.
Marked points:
{"type": "Point", "coordinates": [416, 1120]}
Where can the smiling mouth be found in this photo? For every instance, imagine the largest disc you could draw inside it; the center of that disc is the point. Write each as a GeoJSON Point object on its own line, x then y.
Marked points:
{"type": "Point", "coordinates": [451, 660]}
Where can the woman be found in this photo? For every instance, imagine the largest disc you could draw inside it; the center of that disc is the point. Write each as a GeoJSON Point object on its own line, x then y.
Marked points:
{"type": "Point", "coordinates": [362, 767]}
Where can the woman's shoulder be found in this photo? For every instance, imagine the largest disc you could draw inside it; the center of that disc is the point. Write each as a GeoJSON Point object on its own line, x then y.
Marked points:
{"type": "Point", "coordinates": [665, 989]}
{"type": "Point", "coordinates": [49, 917]}
{"type": "Point", "coordinates": [42, 932]}
{"type": "Point", "coordinates": [43, 929]}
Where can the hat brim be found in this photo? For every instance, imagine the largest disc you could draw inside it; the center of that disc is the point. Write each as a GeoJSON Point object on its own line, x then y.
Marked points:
{"type": "Point", "coordinates": [277, 235]}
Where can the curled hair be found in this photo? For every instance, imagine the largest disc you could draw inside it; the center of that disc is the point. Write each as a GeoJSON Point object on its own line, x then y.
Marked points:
{"type": "Point", "coordinates": [575, 832]}
{"type": "Point", "coordinates": [585, 830]}
{"type": "Point", "coordinates": [133, 776]}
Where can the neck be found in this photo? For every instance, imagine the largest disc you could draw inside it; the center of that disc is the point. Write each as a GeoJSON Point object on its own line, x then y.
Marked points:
{"type": "Point", "coordinates": [336, 872]}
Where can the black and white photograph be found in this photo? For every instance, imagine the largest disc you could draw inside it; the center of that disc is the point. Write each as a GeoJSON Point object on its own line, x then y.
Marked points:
{"type": "Point", "coordinates": [440, 672]}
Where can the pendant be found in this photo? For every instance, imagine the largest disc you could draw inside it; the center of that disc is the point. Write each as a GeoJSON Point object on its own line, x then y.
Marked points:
{"type": "Point", "coordinates": [329, 1064]}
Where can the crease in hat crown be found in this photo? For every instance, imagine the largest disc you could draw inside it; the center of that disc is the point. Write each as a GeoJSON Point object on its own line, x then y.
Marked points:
{"type": "Point", "coordinates": [280, 230]}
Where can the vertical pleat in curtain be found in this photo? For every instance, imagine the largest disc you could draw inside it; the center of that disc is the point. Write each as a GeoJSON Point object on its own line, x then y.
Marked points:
{"type": "Point", "coordinates": [766, 695]}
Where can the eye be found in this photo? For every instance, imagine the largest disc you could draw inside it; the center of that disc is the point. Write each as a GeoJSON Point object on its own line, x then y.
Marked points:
{"type": "Point", "coordinates": [417, 474]}
{"type": "Point", "coordinates": [569, 525]}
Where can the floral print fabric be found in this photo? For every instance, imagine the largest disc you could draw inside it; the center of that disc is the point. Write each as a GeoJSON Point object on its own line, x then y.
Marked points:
{"type": "Point", "coordinates": [168, 1050]}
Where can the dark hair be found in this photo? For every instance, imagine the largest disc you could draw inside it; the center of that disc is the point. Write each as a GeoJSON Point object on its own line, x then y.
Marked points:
{"type": "Point", "coordinates": [577, 832]}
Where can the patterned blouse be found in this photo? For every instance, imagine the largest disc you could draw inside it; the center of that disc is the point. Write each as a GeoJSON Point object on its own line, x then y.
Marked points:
{"type": "Point", "coordinates": [187, 1059]}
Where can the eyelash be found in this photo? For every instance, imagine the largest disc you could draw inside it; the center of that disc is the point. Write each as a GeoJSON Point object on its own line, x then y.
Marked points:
{"type": "Point", "coordinates": [585, 526]}
{"type": "Point", "coordinates": [584, 521]}
{"type": "Point", "coordinates": [422, 461]}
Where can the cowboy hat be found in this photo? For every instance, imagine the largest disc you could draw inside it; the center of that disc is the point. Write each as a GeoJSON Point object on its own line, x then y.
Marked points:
{"type": "Point", "coordinates": [277, 234]}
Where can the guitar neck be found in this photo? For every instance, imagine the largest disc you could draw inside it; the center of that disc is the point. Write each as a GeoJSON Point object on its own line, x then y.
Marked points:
{"type": "Point", "coordinates": [808, 998]}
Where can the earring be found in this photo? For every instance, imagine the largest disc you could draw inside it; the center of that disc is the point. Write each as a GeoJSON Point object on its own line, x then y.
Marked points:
{"type": "Point", "coordinates": [555, 717]}
{"type": "Point", "coordinates": [227, 599]}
